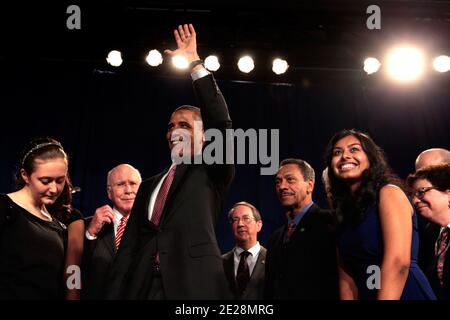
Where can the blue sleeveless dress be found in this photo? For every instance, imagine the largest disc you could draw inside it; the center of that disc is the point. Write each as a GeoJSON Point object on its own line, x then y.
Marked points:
{"type": "Point", "coordinates": [362, 246]}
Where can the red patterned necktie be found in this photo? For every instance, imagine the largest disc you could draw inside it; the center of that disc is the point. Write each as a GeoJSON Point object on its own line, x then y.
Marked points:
{"type": "Point", "coordinates": [441, 249]}
{"type": "Point", "coordinates": [120, 230]}
{"type": "Point", "coordinates": [290, 229]}
{"type": "Point", "coordinates": [161, 197]}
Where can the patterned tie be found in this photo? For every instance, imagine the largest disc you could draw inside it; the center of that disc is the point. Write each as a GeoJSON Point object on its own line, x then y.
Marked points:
{"type": "Point", "coordinates": [290, 229]}
{"type": "Point", "coordinates": [440, 250]}
{"type": "Point", "coordinates": [243, 273]}
{"type": "Point", "coordinates": [162, 195]}
{"type": "Point", "coordinates": [120, 230]}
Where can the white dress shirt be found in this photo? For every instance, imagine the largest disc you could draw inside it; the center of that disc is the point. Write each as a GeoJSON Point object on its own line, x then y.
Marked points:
{"type": "Point", "coordinates": [251, 259]}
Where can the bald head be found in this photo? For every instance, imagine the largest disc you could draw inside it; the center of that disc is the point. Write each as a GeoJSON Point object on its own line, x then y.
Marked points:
{"type": "Point", "coordinates": [432, 157]}
{"type": "Point", "coordinates": [122, 169]}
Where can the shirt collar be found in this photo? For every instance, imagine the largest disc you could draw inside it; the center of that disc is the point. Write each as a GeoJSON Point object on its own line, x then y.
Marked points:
{"type": "Point", "coordinates": [253, 250]}
{"type": "Point", "coordinates": [300, 215]}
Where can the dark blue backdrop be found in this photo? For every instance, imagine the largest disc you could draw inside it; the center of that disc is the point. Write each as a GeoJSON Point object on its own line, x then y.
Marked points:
{"type": "Point", "coordinates": [104, 119]}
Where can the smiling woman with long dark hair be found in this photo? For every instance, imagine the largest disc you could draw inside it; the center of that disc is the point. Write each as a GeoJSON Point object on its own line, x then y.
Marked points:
{"type": "Point", "coordinates": [378, 240]}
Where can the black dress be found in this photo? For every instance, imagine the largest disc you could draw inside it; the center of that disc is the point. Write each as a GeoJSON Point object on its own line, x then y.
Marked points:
{"type": "Point", "coordinates": [31, 254]}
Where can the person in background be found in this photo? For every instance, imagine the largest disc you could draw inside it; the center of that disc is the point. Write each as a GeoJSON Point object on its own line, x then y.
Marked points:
{"type": "Point", "coordinates": [431, 197]}
{"type": "Point", "coordinates": [301, 255]}
{"type": "Point", "coordinates": [245, 265]}
{"type": "Point", "coordinates": [428, 230]}
{"type": "Point", "coordinates": [105, 229]}
{"type": "Point", "coordinates": [32, 241]}
{"type": "Point", "coordinates": [431, 157]}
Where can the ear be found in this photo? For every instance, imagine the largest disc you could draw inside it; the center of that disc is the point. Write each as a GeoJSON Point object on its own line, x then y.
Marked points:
{"type": "Point", "coordinates": [259, 225]}
{"type": "Point", "coordinates": [24, 176]}
{"type": "Point", "coordinates": [109, 193]}
{"type": "Point", "coordinates": [310, 187]}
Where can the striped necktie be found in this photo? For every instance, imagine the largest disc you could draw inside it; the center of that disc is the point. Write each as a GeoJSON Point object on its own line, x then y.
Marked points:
{"type": "Point", "coordinates": [120, 230]}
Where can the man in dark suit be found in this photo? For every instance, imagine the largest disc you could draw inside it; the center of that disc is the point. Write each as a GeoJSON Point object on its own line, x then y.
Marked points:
{"type": "Point", "coordinates": [301, 256]}
{"type": "Point", "coordinates": [172, 253]}
{"type": "Point", "coordinates": [104, 230]}
{"type": "Point", "coordinates": [246, 278]}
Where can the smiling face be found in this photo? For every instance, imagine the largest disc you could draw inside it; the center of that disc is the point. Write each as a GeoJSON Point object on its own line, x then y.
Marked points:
{"type": "Point", "coordinates": [245, 229]}
{"type": "Point", "coordinates": [47, 180]}
{"type": "Point", "coordinates": [349, 160]}
{"type": "Point", "coordinates": [293, 191]}
{"type": "Point", "coordinates": [123, 184]}
{"type": "Point", "coordinates": [185, 133]}
{"type": "Point", "coordinates": [431, 203]}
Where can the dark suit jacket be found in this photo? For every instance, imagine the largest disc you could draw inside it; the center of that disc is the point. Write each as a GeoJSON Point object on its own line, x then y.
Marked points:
{"type": "Point", "coordinates": [255, 286]}
{"type": "Point", "coordinates": [306, 266]}
{"type": "Point", "coordinates": [97, 260]}
{"type": "Point", "coordinates": [442, 292]}
{"type": "Point", "coordinates": [428, 234]}
{"type": "Point", "coordinates": [190, 259]}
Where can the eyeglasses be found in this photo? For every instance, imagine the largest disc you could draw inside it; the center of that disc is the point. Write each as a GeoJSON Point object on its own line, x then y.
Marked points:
{"type": "Point", "coordinates": [419, 193]}
{"type": "Point", "coordinates": [245, 219]}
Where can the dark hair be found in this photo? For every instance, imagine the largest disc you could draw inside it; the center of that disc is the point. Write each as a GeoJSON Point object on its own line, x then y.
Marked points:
{"type": "Point", "coordinates": [350, 207]}
{"type": "Point", "coordinates": [62, 208]}
{"type": "Point", "coordinates": [438, 175]}
{"type": "Point", "coordinates": [305, 168]}
{"type": "Point", "coordinates": [46, 148]}
{"type": "Point", "coordinates": [195, 110]}
{"type": "Point", "coordinates": [255, 211]}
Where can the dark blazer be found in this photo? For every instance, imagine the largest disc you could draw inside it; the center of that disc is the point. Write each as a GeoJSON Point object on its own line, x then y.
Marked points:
{"type": "Point", "coordinates": [255, 286]}
{"type": "Point", "coordinates": [428, 234]}
{"type": "Point", "coordinates": [306, 266]}
{"type": "Point", "coordinates": [190, 259]}
{"type": "Point", "coordinates": [442, 292]}
{"type": "Point", "coordinates": [97, 260]}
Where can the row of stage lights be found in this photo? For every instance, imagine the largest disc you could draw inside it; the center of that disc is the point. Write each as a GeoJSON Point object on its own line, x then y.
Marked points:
{"type": "Point", "coordinates": [403, 64]}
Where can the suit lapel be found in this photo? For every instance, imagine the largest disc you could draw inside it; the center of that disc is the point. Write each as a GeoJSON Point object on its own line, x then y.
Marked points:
{"type": "Point", "coordinates": [305, 222]}
{"type": "Point", "coordinates": [258, 270]}
{"type": "Point", "coordinates": [109, 239]}
{"type": "Point", "coordinates": [228, 266]}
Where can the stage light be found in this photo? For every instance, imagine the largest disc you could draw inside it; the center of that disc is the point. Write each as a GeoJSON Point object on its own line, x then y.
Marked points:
{"type": "Point", "coordinates": [154, 58]}
{"type": "Point", "coordinates": [279, 66]}
{"type": "Point", "coordinates": [246, 64]}
{"type": "Point", "coordinates": [441, 64]}
{"type": "Point", "coordinates": [212, 63]}
{"type": "Point", "coordinates": [371, 65]}
{"type": "Point", "coordinates": [114, 58]}
{"type": "Point", "coordinates": [180, 62]}
{"type": "Point", "coordinates": [405, 64]}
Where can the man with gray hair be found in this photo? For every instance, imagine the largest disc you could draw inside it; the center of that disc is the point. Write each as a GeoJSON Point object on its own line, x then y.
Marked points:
{"type": "Point", "coordinates": [106, 227]}
{"type": "Point", "coordinates": [244, 265]}
{"type": "Point", "coordinates": [301, 256]}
